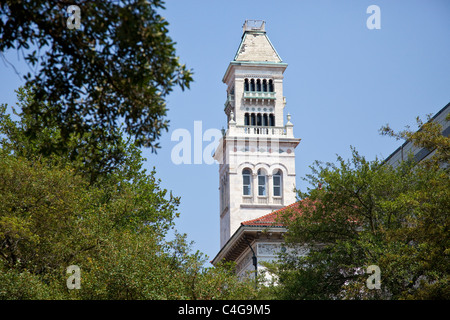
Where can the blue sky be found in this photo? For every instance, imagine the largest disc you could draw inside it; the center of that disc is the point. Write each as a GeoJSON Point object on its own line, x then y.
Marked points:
{"type": "Point", "coordinates": [343, 82]}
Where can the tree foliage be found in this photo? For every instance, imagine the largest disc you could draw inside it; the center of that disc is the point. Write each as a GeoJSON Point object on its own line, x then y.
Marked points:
{"type": "Point", "coordinates": [360, 213]}
{"type": "Point", "coordinates": [429, 135]}
{"type": "Point", "coordinates": [89, 156]}
{"type": "Point", "coordinates": [115, 228]}
{"type": "Point", "coordinates": [114, 72]}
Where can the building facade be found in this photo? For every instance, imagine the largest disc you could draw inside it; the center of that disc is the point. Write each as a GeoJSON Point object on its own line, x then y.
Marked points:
{"type": "Point", "coordinates": [257, 151]}
{"type": "Point", "coordinates": [420, 154]}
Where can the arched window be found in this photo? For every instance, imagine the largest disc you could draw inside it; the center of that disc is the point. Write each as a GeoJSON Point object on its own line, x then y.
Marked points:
{"type": "Point", "coordinates": [253, 119]}
{"type": "Point", "coordinates": [277, 183]}
{"type": "Point", "coordinates": [246, 119]}
{"type": "Point", "coordinates": [270, 85]}
{"type": "Point", "coordinates": [258, 85]}
{"type": "Point", "coordinates": [247, 182]}
{"type": "Point", "coordinates": [265, 120]}
{"type": "Point", "coordinates": [252, 85]}
{"type": "Point", "coordinates": [261, 183]}
{"type": "Point", "coordinates": [246, 86]}
{"type": "Point", "coordinates": [265, 85]}
{"type": "Point", "coordinates": [271, 120]}
{"type": "Point", "coordinates": [258, 119]}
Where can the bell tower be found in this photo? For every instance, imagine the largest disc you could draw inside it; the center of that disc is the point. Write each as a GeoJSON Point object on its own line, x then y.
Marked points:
{"type": "Point", "coordinates": [257, 151]}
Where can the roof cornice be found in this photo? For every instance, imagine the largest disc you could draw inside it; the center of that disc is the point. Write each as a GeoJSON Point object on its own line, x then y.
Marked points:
{"type": "Point", "coordinates": [269, 64]}
{"type": "Point", "coordinates": [236, 244]}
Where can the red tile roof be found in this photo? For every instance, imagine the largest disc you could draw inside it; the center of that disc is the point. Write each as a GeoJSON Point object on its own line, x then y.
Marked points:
{"type": "Point", "coordinates": [270, 219]}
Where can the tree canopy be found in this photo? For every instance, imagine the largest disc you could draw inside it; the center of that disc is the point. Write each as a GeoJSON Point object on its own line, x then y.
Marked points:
{"type": "Point", "coordinates": [114, 228]}
{"type": "Point", "coordinates": [361, 213]}
{"type": "Point", "coordinates": [114, 72]}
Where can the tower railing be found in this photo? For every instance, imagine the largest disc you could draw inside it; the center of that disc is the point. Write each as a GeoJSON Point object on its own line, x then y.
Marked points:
{"type": "Point", "coordinates": [261, 130]}
{"type": "Point", "coordinates": [259, 95]}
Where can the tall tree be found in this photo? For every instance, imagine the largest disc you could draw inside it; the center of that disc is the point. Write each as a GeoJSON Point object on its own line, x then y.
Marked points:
{"type": "Point", "coordinates": [114, 71]}
{"type": "Point", "coordinates": [114, 228]}
{"type": "Point", "coordinates": [363, 213]}
{"type": "Point", "coordinates": [88, 155]}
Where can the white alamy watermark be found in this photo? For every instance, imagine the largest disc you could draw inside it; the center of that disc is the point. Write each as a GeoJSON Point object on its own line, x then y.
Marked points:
{"type": "Point", "coordinates": [214, 146]}
{"type": "Point", "coordinates": [74, 280]}
{"type": "Point", "coordinates": [189, 148]}
{"type": "Point", "coordinates": [374, 20]}
{"type": "Point", "coordinates": [74, 21]}
{"type": "Point", "coordinates": [374, 280]}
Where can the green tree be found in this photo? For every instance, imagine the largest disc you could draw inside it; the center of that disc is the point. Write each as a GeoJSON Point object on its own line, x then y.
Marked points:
{"type": "Point", "coordinates": [114, 228]}
{"type": "Point", "coordinates": [89, 156]}
{"type": "Point", "coordinates": [429, 135]}
{"type": "Point", "coordinates": [361, 213]}
{"type": "Point", "coordinates": [115, 71]}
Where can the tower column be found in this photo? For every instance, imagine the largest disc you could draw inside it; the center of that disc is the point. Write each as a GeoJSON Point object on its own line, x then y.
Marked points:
{"type": "Point", "coordinates": [269, 188]}
{"type": "Point", "coordinates": [255, 186]}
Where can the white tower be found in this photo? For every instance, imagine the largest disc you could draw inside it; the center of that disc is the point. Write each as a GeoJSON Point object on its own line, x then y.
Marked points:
{"type": "Point", "coordinates": [257, 151]}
